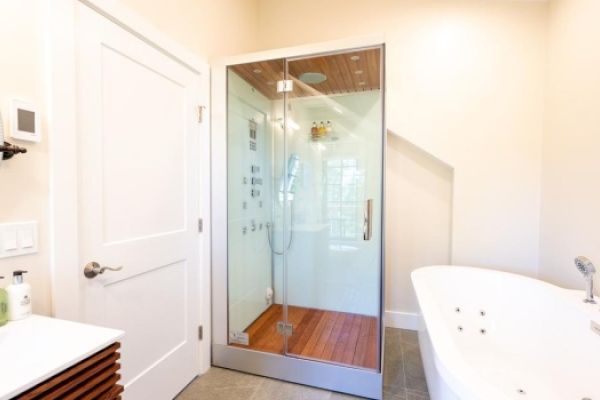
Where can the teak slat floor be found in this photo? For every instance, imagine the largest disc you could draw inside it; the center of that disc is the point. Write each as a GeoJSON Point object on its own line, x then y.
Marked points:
{"type": "Point", "coordinates": [317, 334]}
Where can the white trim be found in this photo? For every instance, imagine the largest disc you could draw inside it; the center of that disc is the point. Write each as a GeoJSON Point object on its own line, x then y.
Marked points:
{"type": "Point", "coordinates": [402, 320]}
{"type": "Point", "coordinates": [62, 127]}
{"type": "Point", "coordinates": [134, 23]}
{"type": "Point", "coordinates": [62, 138]}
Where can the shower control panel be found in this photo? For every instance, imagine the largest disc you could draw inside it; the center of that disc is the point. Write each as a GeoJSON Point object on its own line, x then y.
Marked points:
{"type": "Point", "coordinates": [252, 129]}
{"type": "Point", "coordinates": [252, 203]}
{"type": "Point", "coordinates": [255, 180]}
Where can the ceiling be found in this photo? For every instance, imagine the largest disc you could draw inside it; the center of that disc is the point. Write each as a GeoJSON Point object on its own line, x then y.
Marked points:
{"type": "Point", "coordinates": [350, 72]}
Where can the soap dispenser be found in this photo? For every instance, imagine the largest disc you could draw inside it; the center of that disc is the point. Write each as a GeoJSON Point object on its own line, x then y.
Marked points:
{"type": "Point", "coordinates": [3, 306]}
{"type": "Point", "coordinates": [19, 297]}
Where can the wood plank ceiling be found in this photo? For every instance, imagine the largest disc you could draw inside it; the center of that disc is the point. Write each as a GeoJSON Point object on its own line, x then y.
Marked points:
{"type": "Point", "coordinates": [351, 72]}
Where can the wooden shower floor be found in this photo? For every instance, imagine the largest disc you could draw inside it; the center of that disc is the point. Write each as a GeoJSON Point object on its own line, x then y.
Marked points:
{"type": "Point", "coordinates": [318, 334]}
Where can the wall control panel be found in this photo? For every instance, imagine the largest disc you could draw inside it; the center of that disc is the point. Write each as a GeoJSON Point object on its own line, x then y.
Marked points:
{"type": "Point", "coordinates": [24, 121]}
{"type": "Point", "coordinates": [17, 239]}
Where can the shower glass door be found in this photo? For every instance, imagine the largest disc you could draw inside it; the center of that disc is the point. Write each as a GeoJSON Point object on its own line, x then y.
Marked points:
{"type": "Point", "coordinates": [255, 207]}
{"type": "Point", "coordinates": [333, 196]}
{"type": "Point", "coordinates": [304, 211]}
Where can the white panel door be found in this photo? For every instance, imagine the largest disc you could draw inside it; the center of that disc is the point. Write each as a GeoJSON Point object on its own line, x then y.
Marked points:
{"type": "Point", "coordinates": [139, 197]}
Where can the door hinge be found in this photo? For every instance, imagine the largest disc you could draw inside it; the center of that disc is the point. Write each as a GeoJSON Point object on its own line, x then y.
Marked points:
{"type": "Point", "coordinates": [285, 86]}
{"type": "Point", "coordinates": [200, 333]}
{"type": "Point", "coordinates": [284, 329]}
{"type": "Point", "coordinates": [200, 225]}
{"type": "Point", "coordinates": [201, 114]}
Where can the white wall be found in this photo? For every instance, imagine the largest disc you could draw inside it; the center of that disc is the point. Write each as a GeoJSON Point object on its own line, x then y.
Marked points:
{"type": "Point", "coordinates": [571, 180]}
{"type": "Point", "coordinates": [418, 223]}
{"type": "Point", "coordinates": [24, 180]}
{"type": "Point", "coordinates": [465, 83]}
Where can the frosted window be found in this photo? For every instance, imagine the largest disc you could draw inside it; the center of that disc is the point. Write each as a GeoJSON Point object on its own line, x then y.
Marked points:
{"type": "Point", "coordinates": [344, 192]}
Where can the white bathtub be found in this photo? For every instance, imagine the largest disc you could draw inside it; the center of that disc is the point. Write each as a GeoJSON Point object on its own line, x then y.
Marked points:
{"type": "Point", "coordinates": [537, 342]}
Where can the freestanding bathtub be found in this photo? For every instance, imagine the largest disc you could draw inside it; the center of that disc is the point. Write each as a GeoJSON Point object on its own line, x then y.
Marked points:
{"type": "Point", "coordinates": [490, 335]}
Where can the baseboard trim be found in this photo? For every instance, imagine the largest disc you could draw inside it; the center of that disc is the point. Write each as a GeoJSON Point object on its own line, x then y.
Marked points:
{"type": "Point", "coordinates": [402, 320]}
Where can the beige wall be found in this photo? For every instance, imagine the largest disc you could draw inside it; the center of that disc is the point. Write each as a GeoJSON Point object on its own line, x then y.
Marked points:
{"type": "Point", "coordinates": [465, 83]}
{"type": "Point", "coordinates": [208, 28]}
{"type": "Point", "coordinates": [418, 185]}
{"type": "Point", "coordinates": [571, 179]}
{"type": "Point", "coordinates": [24, 179]}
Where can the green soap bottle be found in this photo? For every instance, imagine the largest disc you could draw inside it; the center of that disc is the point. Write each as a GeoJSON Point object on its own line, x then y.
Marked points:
{"type": "Point", "coordinates": [3, 306]}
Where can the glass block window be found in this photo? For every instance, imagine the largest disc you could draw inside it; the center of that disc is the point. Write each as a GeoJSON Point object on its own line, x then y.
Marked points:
{"type": "Point", "coordinates": [344, 192]}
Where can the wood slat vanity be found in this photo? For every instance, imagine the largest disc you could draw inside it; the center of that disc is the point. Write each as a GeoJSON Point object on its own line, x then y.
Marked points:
{"type": "Point", "coordinates": [47, 358]}
{"type": "Point", "coordinates": [95, 377]}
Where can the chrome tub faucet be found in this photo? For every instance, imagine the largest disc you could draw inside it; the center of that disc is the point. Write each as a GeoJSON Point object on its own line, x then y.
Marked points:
{"type": "Point", "coordinates": [587, 269]}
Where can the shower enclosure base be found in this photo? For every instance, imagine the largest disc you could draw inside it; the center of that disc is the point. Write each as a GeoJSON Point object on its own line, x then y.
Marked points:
{"type": "Point", "coordinates": [354, 381]}
{"type": "Point", "coordinates": [331, 336]}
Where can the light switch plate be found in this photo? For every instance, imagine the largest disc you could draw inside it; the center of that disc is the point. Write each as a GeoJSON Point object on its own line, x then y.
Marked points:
{"type": "Point", "coordinates": [9, 239]}
{"type": "Point", "coordinates": [17, 239]}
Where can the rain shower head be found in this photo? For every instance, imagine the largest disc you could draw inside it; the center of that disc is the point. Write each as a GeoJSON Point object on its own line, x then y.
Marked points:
{"type": "Point", "coordinates": [585, 266]}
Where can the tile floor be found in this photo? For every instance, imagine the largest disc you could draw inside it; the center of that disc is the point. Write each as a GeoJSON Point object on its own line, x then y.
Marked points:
{"type": "Point", "coordinates": [403, 379]}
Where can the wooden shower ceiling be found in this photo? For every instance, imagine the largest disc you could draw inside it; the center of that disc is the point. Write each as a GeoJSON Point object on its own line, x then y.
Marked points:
{"type": "Point", "coordinates": [351, 72]}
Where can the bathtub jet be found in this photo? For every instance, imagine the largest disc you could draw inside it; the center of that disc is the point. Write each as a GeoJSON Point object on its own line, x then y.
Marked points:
{"type": "Point", "coordinates": [587, 269]}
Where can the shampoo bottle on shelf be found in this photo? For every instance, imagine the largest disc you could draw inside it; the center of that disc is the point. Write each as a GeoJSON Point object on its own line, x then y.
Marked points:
{"type": "Point", "coordinates": [322, 130]}
{"type": "Point", "coordinates": [328, 127]}
{"type": "Point", "coordinates": [19, 297]}
{"type": "Point", "coordinates": [314, 130]}
{"type": "Point", "coordinates": [3, 306]}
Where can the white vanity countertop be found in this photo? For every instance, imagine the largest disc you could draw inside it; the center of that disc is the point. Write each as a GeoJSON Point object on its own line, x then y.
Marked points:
{"type": "Point", "coordinates": [37, 348]}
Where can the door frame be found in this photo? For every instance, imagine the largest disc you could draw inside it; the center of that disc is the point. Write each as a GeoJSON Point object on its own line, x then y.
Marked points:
{"type": "Point", "coordinates": [61, 106]}
{"type": "Point", "coordinates": [314, 373]}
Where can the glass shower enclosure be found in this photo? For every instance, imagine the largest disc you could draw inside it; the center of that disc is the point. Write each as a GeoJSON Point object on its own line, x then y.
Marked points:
{"type": "Point", "coordinates": [303, 264]}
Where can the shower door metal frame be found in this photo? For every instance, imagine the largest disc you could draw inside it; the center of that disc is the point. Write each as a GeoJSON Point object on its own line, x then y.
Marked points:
{"type": "Point", "coordinates": [322, 374]}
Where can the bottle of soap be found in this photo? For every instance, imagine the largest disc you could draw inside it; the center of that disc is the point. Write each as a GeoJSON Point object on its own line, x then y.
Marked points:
{"type": "Point", "coordinates": [3, 306]}
{"type": "Point", "coordinates": [328, 127]}
{"type": "Point", "coordinates": [314, 130]}
{"type": "Point", "coordinates": [322, 129]}
{"type": "Point", "coordinates": [19, 297]}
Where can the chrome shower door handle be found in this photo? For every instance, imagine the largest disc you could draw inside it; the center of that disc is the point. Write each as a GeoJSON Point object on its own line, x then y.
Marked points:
{"type": "Point", "coordinates": [368, 220]}
{"type": "Point", "coordinates": [93, 269]}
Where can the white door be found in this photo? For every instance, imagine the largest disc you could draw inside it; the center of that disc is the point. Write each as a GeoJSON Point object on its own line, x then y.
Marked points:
{"type": "Point", "coordinates": [139, 199]}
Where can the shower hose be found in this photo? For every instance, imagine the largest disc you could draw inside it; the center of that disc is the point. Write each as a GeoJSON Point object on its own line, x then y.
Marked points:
{"type": "Point", "coordinates": [291, 232]}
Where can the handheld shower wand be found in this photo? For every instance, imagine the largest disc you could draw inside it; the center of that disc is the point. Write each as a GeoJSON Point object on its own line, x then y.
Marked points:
{"type": "Point", "coordinates": [587, 269]}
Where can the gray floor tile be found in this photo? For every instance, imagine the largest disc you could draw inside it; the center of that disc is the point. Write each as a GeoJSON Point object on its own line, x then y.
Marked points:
{"type": "Point", "coordinates": [409, 337]}
{"type": "Point", "coordinates": [341, 396]}
{"type": "Point", "coordinates": [234, 393]}
{"type": "Point", "coordinates": [398, 394]}
{"type": "Point", "coordinates": [413, 368]}
{"type": "Point", "coordinates": [403, 375]}
{"type": "Point", "coordinates": [272, 389]}
{"type": "Point", "coordinates": [416, 395]}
